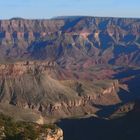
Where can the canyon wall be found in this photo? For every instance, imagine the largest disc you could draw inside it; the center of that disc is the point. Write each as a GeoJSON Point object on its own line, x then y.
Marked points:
{"type": "Point", "coordinates": [30, 85]}
{"type": "Point", "coordinates": [71, 41]}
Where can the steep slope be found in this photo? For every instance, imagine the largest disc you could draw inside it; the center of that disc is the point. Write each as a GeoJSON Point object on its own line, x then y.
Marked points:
{"type": "Point", "coordinates": [60, 67]}
{"type": "Point", "coordinates": [82, 40]}
{"type": "Point", "coordinates": [35, 85]}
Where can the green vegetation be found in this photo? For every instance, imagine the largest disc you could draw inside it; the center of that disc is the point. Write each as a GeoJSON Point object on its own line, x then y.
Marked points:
{"type": "Point", "coordinates": [21, 130]}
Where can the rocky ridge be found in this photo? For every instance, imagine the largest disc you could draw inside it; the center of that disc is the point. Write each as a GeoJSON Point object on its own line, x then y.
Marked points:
{"type": "Point", "coordinates": [74, 40]}
{"type": "Point", "coordinates": [32, 85]}
{"type": "Point", "coordinates": [68, 67]}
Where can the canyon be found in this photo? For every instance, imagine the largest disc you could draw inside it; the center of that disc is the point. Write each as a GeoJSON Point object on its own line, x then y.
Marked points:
{"type": "Point", "coordinates": [69, 67]}
{"type": "Point", "coordinates": [30, 85]}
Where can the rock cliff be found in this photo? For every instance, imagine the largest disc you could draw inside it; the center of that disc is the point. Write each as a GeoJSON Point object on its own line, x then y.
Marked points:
{"type": "Point", "coordinates": [72, 41]}
{"type": "Point", "coordinates": [19, 130]}
{"type": "Point", "coordinates": [67, 67]}
{"type": "Point", "coordinates": [37, 86]}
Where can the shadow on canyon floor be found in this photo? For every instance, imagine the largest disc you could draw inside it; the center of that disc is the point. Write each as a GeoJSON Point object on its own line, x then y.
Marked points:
{"type": "Point", "coordinates": [124, 128]}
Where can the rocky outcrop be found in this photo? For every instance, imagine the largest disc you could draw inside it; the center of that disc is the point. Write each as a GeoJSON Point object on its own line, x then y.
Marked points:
{"type": "Point", "coordinates": [2, 134]}
{"type": "Point", "coordinates": [21, 130]}
{"type": "Point", "coordinates": [24, 67]}
{"type": "Point", "coordinates": [52, 135]}
{"type": "Point", "coordinates": [36, 85]}
{"type": "Point", "coordinates": [60, 67]}
{"type": "Point", "coordinates": [72, 40]}
{"type": "Point", "coordinates": [49, 134]}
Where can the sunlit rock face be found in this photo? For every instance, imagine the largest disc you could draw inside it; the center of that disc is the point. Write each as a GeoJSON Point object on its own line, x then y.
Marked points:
{"type": "Point", "coordinates": [71, 40]}
{"type": "Point", "coordinates": [57, 135]}
{"type": "Point", "coordinates": [61, 67]}
{"type": "Point", "coordinates": [37, 85]}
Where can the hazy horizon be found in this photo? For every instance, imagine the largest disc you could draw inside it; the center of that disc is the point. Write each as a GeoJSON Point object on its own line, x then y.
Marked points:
{"type": "Point", "coordinates": [63, 16]}
{"type": "Point", "coordinates": [45, 9]}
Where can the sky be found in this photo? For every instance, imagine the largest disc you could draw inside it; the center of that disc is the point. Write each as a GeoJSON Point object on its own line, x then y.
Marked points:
{"type": "Point", "coordinates": [43, 9]}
